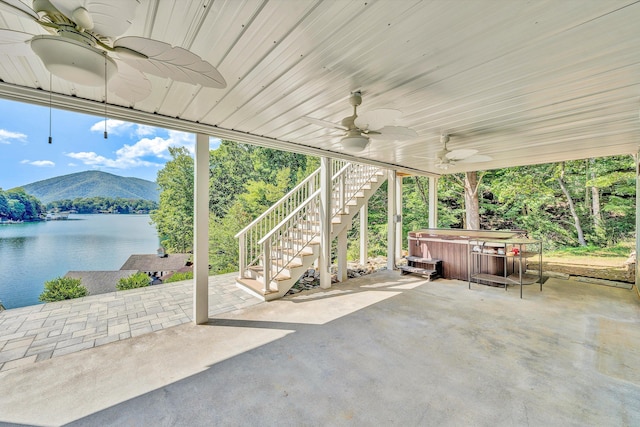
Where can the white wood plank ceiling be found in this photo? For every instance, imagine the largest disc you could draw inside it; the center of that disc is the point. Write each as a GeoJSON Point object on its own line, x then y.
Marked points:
{"type": "Point", "coordinates": [520, 81]}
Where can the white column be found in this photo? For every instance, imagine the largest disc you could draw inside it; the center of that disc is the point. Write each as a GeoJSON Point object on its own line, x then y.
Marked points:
{"type": "Point", "coordinates": [433, 202]}
{"type": "Point", "coordinates": [364, 233]}
{"type": "Point", "coordinates": [201, 231]}
{"type": "Point", "coordinates": [342, 255]}
{"type": "Point", "coordinates": [324, 261]}
{"type": "Point", "coordinates": [391, 213]}
{"type": "Point", "coordinates": [637, 159]}
{"type": "Point", "coordinates": [398, 217]}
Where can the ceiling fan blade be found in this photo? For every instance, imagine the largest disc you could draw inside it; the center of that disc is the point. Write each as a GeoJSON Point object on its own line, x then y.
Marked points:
{"type": "Point", "coordinates": [461, 153]}
{"type": "Point", "coordinates": [164, 60]}
{"type": "Point", "coordinates": [479, 158]}
{"type": "Point", "coordinates": [130, 84]}
{"type": "Point", "coordinates": [18, 8]}
{"type": "Point", "coordinates": [14, 43]}
{"type": "Point", "coordinates": [376, 119]}
{"type": "Point", "coordinates": [111, 18]}
{"type": "Point", "coordinates": [323, 123]}
{"type": "Point", "coordinates": [394, 133]}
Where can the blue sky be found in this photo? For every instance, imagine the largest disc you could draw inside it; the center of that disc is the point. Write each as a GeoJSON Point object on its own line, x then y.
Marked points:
{"type": "Point", "coordinates": [78, 145]}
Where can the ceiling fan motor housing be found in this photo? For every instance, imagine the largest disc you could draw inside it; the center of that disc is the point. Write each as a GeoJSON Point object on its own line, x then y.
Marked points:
{"type": "Point", "coordinates": [73, 60]}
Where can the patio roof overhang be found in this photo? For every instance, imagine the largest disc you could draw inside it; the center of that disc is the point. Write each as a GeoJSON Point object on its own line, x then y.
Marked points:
{"type": "Point", "coordinates": [524, 83]}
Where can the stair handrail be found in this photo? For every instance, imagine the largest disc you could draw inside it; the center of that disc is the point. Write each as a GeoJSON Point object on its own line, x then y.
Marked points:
{"type": "Point", "coordinates": [293, 213]}
{"type": "Point", "coordinates": [279, 234]}
{"type": "Point", "coordinates": [248, 250]}
{"type": "Point", "coordinates": [347, 188]}
{"type": "Point", "coordinates": [271, 208]}
{"type": "Point", "coordinates": [334, 179]}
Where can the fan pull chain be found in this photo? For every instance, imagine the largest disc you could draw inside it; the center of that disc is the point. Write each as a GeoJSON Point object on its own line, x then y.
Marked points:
{"type": "Point", "coordinates": [50, 107]}
{"type": "Point", "coordinates": [105, 96]}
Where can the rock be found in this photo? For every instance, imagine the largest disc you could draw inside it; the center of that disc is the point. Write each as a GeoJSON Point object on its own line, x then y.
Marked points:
{"type": "Point", "coordinates": [630, 263]}
{"type": "Point", "coordinates": [617, 274]}
{"type": "Point", "coordinates": [308, 279]}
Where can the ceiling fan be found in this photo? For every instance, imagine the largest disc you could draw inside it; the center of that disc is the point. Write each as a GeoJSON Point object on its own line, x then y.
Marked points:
{"type": "Point", "coordinates": [446, 158]}
{"type": "Point", "coordinates": [80, 45]}
{"type": "Point", "coordinates": [358, 129]}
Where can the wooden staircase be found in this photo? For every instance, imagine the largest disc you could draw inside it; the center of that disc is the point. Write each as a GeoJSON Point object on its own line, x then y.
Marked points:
{"type": "Point", "coordinates": [279, 246]}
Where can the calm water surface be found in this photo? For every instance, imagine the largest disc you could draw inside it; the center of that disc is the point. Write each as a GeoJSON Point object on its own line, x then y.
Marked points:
{"type": "Point", "coordinates": [32, 253]}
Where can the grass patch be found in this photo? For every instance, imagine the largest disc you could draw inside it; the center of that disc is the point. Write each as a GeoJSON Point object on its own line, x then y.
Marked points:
{"type": "Point", "coordinates": [622, 249]}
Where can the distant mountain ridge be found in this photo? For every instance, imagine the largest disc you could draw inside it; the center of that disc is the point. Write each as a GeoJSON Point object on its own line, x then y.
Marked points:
{"type": "Point", "coordinates": [92, 184]}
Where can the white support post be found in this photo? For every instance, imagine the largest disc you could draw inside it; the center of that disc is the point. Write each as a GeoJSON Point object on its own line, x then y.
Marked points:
{"type": "Point", "coordinates": [341, 194]}
{"type": "Point", "coordinates": [391, 213]}
{"type": "Point", "coordinates": [242, 252]}
{"type": "Point", "coordinates": [324, 261]}
{"type": "Point", "coordinates": [433, 202]}
{"type": "Point", "coordinates": [266, 272]}
{"type": "Point", "coordinates": [201, 231]}
{"type": "Point", "coordinates": [398, 217]}
{"type": "Point", "coordinates": [364, 234]}
{"type": "Point", "coordinates": [342, 255]}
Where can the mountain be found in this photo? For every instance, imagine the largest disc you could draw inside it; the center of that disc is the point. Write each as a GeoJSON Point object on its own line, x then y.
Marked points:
{"type": "Point", "coordinates": [92, 184]}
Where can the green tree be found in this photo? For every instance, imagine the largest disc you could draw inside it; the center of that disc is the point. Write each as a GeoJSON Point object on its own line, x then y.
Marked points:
{"type": "Point", "coordinates": [179, 276]}
{"type": "Point", "coordinates": [4, 205]}
{"type": "Point", "coordinates": [138, 280]}
{"type": "Point", "coordinates": [62, 288]}
{"type": "Point", "coordinates": [230, 167]}
{"type": "Point", "coordinates": [174, 217]}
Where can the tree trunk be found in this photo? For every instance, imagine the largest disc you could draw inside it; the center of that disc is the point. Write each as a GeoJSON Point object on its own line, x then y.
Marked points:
{"type": "Point", "coordinates": [572, 209]}
{"type": "Point", "coordinates": [595, 203]}
{"type": "Point", "coordinates": [471, 202]}
{"type": "Point", "coordinates": [421, 191]}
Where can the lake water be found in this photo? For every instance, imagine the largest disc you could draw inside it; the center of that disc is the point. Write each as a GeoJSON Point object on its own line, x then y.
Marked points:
{"type": "Point", "coordinates": [32, 253]}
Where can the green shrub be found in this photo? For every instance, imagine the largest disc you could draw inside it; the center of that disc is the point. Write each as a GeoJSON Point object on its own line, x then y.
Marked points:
{"type": "Point", "coordinates": [62, 288]}
{"type": "Point", "coordinates": [138, 280]}
{"type": "Point", "coordinates": [179, 276]}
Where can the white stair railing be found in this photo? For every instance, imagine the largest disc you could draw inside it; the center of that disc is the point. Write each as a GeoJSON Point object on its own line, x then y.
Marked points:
{"type": "Point", "coordinates": [249, 237]}
{"type": "Point", "coordinates": [274, 244]}
{"type": "Point", "coordinates": [286, 241]}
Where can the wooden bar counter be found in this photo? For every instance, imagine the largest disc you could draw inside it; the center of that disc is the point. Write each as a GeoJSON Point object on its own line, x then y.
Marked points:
{"type": "Point", "coordinates": [451, 247]}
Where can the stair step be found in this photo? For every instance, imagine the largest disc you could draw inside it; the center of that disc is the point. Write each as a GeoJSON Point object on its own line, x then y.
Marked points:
{"type": "Point", "coordinates": [303, 252]}
{"type": "Point", "coordinates": [258, 269]}
{"type": "Point", "coordinates": [254, 285]}
{"type": "Point", "coordinates": [314, 241]}
{"type": "Point", "coordinates": [431, 274]}
{"type": "Point", "coordinates": [289, 264]}
{"type": "Point", "coordinates": [278, 262]}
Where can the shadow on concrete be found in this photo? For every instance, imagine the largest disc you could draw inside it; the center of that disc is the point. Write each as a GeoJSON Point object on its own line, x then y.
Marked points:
{"type": "Point", "coordinates": [400, 353]}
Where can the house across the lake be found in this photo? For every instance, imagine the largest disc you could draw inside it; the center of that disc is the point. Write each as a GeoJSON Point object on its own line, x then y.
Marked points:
{"type": "Point", "coordinates": [157, 267]}
{"type": "Point", "coordinates": [100, 282]}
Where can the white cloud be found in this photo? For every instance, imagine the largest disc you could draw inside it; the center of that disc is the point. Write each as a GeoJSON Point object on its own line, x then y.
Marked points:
{"type": "Point", "coordinates": [120, 127]}
{"type": "Point", "coordinates": [39, 163]}
{"type": "Point", "coordinates": [144, 130]}
{"type": "Point", "coordinates": [116, 127]}
{"type": "Point", "coordinates": [6, 137]}
{"type": "Point", "coordinates": [142, 153]}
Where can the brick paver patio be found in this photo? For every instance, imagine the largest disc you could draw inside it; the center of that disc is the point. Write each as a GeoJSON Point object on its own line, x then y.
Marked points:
{"type": "Point", "coordinates": [39, 332]}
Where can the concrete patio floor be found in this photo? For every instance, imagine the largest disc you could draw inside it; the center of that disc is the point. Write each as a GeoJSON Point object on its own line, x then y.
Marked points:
{"type": "Point", "coordinates": [382, 349]}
